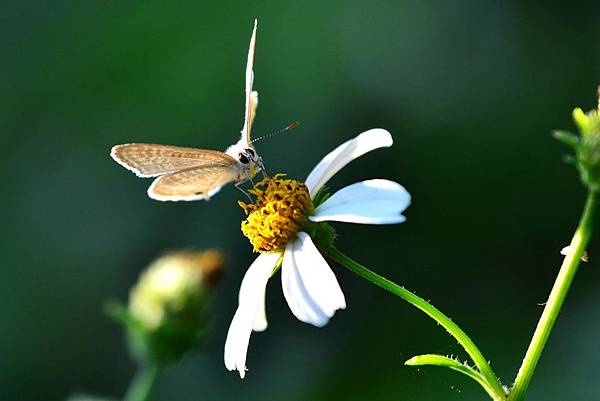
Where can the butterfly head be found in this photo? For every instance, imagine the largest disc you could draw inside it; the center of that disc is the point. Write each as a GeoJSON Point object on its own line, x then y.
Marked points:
{"type": "Point", "coordinates": [248, 155]}
{"type": "Point", "coordinates": [247, 158]}
{"type": "Point", "coordinates": [251, 161]}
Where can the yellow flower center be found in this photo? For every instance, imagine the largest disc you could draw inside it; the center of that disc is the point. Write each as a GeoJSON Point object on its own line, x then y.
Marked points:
{"type": "Point", "coordinates": [280, 210]}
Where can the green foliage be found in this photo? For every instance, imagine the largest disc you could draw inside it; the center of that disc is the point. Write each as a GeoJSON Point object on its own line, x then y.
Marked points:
{"type": "Point", "coordinates": [586, 146]}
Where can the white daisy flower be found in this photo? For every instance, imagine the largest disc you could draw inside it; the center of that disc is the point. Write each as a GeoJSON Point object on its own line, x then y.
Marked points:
{"type": "Point", "coordinates": [282, 224]}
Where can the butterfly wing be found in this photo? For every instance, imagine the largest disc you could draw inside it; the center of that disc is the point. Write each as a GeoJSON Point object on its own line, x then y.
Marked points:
{"type": "Point", "coordinates": [251, 96]}
{"type": "Point", "coordinates": [149, 160]}
{"type": "Point", "coordinates": [192, 184]}
{"type": "Point", "coordinates": [252, 113]}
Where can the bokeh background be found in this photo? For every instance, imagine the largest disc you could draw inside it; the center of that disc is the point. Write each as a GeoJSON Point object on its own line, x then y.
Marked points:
{"type": "Point", "coordinates": [470, 91]}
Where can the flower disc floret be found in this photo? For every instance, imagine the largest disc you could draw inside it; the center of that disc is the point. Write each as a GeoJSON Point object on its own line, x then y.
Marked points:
{"type": "Point", "coordinates": [281, 209]}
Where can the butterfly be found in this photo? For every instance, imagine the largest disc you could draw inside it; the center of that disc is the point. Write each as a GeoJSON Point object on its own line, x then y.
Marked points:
{"type": "Point", "coordinates": [185, 174]}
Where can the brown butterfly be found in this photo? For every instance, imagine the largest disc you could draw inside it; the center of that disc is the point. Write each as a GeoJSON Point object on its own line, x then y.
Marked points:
{"type": "Point", "coordinates": [191, 174]}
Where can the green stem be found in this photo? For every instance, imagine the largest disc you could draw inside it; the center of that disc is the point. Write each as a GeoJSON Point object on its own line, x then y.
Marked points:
{"type": "Point", "coordinates": [142, 384]}
{"type": "Point", "coordinates": [494, 388]}
{"type": "Point", "coordinates": [557, 296]}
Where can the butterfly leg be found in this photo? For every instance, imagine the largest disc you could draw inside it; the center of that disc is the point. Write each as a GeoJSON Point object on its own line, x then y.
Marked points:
{"type": "Point", "coordinates": [238, 186]}
{"type": "Point", "coordinates": [249, 178]}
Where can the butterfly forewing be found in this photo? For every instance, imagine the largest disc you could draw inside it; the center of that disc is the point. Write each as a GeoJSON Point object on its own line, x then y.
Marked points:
{"type": "Point", "coordinates": [251, 97]}
{"type": "Point", "coordinates": [252, 112]}
{"type": "Point", "coordinates": [192, 184]}
{"type": "Point", "coordinates": [149, 160]}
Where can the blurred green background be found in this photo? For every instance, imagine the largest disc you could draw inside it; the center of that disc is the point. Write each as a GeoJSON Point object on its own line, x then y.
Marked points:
{"type": "Point", "coordinates": [470, 91]}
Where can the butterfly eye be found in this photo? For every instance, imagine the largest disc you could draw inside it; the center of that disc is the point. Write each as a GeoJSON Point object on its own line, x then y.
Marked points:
{"type": "Point", "coordinates": [243, 158]}
{"type": "Point", "coordinates": [251, 152]}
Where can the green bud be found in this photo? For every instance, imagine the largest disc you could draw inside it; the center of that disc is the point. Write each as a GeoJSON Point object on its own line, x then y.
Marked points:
{"type": "Point", "coordinates": [167, 312]}
{"type": "Point", "coordinates": [322, 234]}
{"type": "Point", "coordinates": [586, 146]}
{"type": "Point", "coordinates": [581, 120]}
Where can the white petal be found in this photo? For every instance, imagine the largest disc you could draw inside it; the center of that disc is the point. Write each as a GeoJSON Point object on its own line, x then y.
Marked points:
{"type": "Point", "coordinates": [309, 285]}
{"type": "Point", "coordinates": [260, 320]}
{"type": "Point", "coordinates": [296, 295]}
{"type": "Point", "coordinates": [247, 287]}
{"type": "Point", "coordinates": [367, 202]}
{"type": "Point", "coordinates": [251, 300]}
{"type": "Point", "coordinates": [344, 154]}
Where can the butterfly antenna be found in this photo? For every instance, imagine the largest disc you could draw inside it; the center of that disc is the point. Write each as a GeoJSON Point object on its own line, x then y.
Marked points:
{"type": "Point", "coordinates": [291, 126]}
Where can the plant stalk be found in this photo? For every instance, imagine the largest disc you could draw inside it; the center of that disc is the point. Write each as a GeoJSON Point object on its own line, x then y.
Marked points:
{"type": "Point", "coordinates": [142, 384]}
{"type": "Point", "coordinates": [557, 296]}
{"type": "Point", "coordinates": [494, 388]}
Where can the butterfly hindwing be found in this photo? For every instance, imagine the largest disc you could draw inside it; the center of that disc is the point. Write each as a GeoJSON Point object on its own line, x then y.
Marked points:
{"type": "Point", "coordinates": [191, 184]}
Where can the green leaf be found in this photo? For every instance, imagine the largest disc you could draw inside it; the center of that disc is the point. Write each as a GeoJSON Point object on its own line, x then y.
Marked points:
{"type": "Point", "coordinates": [567, 138]}
{"type": "Point", "coordinates": [439, 360]}
{"type": "Point", "coordinates": [118, 312]}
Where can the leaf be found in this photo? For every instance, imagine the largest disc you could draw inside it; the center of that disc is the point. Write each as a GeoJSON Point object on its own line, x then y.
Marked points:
{"type": "Point", "coordinates": [119, 313]}
{"type": "Point", "coordinates": [439, 360]}
{"type": "Point", "coordinates": [567, 138]}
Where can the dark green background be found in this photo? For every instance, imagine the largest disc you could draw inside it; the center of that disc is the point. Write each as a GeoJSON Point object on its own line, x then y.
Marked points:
{"type": "Point", "coordinates": [470, 92]}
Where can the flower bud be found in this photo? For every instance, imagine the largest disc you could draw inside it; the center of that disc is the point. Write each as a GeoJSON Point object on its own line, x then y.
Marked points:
{"type": "Point", "coordinates": [586, 146]}
{"type": "Point", "coordinates": [167, 311]}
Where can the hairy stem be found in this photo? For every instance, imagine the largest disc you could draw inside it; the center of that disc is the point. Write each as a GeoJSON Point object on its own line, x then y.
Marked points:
{"type": "Point", "coordinates": [494, 388]}
{"type": "Point", "coordinates": [557, 296]}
